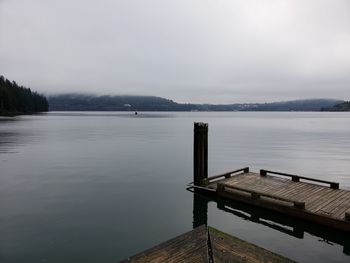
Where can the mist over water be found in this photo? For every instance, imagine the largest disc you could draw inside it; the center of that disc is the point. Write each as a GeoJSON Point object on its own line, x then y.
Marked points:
{"type": "Point", "coordinates": [101, 186]}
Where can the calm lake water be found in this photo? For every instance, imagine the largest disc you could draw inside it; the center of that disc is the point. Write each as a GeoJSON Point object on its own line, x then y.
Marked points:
{"type": "Point", "coordinates": [98, 187]}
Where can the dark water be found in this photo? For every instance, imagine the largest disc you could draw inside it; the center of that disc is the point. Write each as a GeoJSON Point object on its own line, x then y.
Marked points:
{"type": "Point", "coordinates": [98, 187]}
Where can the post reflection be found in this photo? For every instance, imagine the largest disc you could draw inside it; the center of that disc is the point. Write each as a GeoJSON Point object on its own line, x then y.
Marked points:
{"type": "Point", "coordinates": [200, 210]}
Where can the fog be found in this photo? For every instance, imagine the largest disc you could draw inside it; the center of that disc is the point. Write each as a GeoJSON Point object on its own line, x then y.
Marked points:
{"type": "Point", "coordinates": [198, 51]}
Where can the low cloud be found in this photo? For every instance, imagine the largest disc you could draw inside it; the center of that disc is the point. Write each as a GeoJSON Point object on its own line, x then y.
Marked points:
{"type": "Point", "coordinates": [187, 50]}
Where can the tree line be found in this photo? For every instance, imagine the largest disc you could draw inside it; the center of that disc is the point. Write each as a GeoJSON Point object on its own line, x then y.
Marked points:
{"type": "Point", "coordinates": [16, 99]}
{"type": "Point", "coordinates": [345, 106]}
{"type": "Point", "coordinates": [81, 102]}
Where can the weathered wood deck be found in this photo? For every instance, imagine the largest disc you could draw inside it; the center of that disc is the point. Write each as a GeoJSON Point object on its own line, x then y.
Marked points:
{"type": "Point", "coordinates": [318, 201]}
{"type": "Point", "coordinates": [207, 245]}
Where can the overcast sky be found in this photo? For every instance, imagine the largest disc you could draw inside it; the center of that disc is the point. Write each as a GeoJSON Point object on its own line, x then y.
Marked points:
{"type": "Point", "coordinates": [215, 51]}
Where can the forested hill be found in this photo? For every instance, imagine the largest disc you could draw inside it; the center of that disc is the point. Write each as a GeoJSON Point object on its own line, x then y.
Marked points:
{"type": "Point", "coordinates": [79, 102]}
{"type": "Point", "coordinates": [15, 99]}
{"type": "Point", "coordinates": [345, 106]}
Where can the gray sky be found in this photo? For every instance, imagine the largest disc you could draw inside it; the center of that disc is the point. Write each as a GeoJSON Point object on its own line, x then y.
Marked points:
{"type": "Point", "coordinates": [215, 51]}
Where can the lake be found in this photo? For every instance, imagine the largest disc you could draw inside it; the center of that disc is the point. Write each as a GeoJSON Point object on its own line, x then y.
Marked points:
{"type": "Point", "coordinates": [102, 186]}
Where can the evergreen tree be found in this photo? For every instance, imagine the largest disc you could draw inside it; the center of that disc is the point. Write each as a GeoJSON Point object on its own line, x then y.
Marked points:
{"type": "Point", "coordinates": [16, 99]}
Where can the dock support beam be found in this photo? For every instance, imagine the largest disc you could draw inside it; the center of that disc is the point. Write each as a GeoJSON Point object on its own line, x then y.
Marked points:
{"type": "Point", "coordinates": [200, 152]}
{"type": "Point", "coordinates": [347, 215]}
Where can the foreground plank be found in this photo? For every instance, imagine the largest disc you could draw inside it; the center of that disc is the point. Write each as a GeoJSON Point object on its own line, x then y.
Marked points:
{"type": "Point", "coordinates": [207, 246]}
{"type": "Point", "coordinates": [189, 247]}
{"type": "Point", "coordinates": [226, 248]}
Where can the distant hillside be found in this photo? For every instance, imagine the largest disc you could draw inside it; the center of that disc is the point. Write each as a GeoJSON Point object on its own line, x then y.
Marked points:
{"type": "Point", "coordinates": [15, 99]}
{"type": "Point", "coordinates": [344, 106]}
{"type": "Point", "coordinates": [298, 105]}
{"type": "Point", "coordinates": [80, 102]}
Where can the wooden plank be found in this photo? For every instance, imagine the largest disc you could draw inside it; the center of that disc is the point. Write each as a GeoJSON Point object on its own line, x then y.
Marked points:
{"type": "Point", "coordinates": [251, 187]}
{"type": "Point", "coordinates": [296, 178]}
{"type": "Point", "coordinates": [189, 247]}
{"type": "Point", "coordinates": [344, 200]}
{"type": "Point", "coordinates": [235, 179]}
{"type": "Point", "coordinates": [304, 192]}
{"type": "Point", "coordinates": [287, 186]}
{"type": "Point", "coordinates": [292, 188]}
{"type": "Point", "coordinates": [267, 183]}
{"type": "Point", "coordinates": [273, 180]}
{"type": "Point", "coordinates": [340, 213]}
{"type": "Point", "coordinates": [309, 194]}
{"type": "Point", "coordinates": [333, 203]}
{"type": "Point", "coordinates": [324, 200]}
{"type": "Point", "coordinates": [256, 195]}
{"type": "Point", "coordinates": [232, 180]}
{"type": "Point", "coordinates": [256, 183]}
{"type": "Point", "coordinates": [244, 170]}
{"type": "Point", "coordinates": [248, 179]}
{"type": "Point", "coordinates": [316, 197]}
{"type": "Point", "coordinates": [226, 248]}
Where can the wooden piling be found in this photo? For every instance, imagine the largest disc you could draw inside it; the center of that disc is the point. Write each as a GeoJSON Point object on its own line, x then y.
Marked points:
{"type": "Point", "coordinates": [200, 153]}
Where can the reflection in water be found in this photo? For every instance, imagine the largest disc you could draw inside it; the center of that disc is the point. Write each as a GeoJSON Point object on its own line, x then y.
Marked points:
{"type": "Point", "coordinates": [200, 210]}
{"type": "Point", "coordinates": [8, 140]}
{"type": "Point", "coordinates": [75, 174]}
{"type": "Point", "coordinates": [16, 132]}
{"type": "Point", "coordinates": [123, 114]}
{"type": "Point", "coordinates": [284, 224]}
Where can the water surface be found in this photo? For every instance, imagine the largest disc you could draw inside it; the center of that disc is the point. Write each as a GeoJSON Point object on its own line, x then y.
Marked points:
{"type": "Point", "coordinates": [100, 186]}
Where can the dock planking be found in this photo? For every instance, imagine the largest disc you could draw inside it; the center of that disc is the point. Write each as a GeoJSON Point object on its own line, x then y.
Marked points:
{"type": "Point", "coordinates": [206, 245]}
{"type": "Point", "coordinates": [227, 248]}
{"type": "Point", "coordinates": [189, 247]}
{"type": "Point", "coordinates": [318, 201]}
{"type": "Point", "coordinates": [315, 200]}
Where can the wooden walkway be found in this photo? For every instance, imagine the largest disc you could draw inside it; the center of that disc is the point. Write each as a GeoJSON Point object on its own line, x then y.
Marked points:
{"type": "Point", "coordinates": [207, 245]}
{"type": "Point", "coordinates": [315, 200]}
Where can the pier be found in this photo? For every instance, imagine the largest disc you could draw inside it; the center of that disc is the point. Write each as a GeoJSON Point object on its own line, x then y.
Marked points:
{"type": "Point", "coordinates": [314, 200]}
{"type": "Point", "coordinates": [300, 204]}
{"type": "Point", "coordinates": [207, 245]}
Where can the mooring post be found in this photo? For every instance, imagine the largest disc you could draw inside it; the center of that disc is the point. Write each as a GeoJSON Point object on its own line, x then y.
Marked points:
{"type": "Point", "coordinates": [200, 152]}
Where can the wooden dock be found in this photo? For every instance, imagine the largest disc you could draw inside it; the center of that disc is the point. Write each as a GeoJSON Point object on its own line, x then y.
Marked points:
{"type": "Point", "coordinates": [207, 245]}
{"type": "Point", "coordinates": [315, 200]}
{"type": "Point", "coordinates": [305, 198]}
